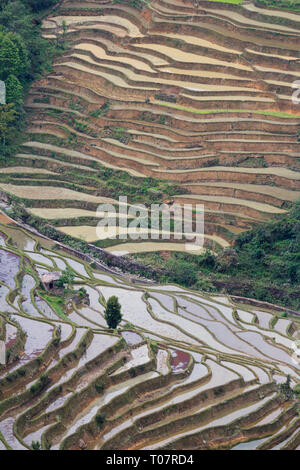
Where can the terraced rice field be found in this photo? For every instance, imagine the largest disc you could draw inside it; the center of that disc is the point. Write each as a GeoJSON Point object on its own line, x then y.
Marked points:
{"type": "Point", "coordinates": [199, 96]}
{"type": "Point", "coordinates": [184, 370]}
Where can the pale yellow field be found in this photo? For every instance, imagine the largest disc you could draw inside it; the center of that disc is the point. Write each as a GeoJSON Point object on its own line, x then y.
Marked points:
{"type": "Point", "coordinates": [91, 234]}
{"type": "Point", "coordinates": [100, 53]}
{"type": "Point", "coordinates": [49, 192]}
{"type": "Point", "coordinates": [25, 169]}
{"type": "Point", "coordinates": [144, 247]}
{"type": "Point", "coordinates": [67, 213]}
{"type": "Point", "coordinates": [144, 78]}
{"type": "Point", "coordinates": [116, 80]}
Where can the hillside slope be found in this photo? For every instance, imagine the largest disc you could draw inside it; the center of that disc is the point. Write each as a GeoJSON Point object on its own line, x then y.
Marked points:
{"type": "Point", "coordinates": [197, 95]}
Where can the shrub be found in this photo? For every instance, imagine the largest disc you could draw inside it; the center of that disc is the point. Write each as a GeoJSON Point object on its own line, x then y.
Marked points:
{"type": "Point", "coordinates": [40, 384]}
{"type": "Point", "coordinates": [36, 445]}
{"type": "Point", "coordinates": [153, 346]}
{"type": "Point", "coordinates": [100, 387]}
{"type": "Point", "coordinates": [67, 278]}
{"type": "Point", "coordinates": [100, 420]}
{"type": "Point", "coordinates": [82, 292]}
{"type": "Point", "coordinates": [181, 272]}
{"type": "Point", "coordinates": [205, 285]}
{"type": "Point", "coordinates": [286, 389]}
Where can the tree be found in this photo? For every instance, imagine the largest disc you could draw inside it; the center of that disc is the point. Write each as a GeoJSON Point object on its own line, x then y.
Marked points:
{"type": "Point", "coordinates": [181, 272]}
{"type": "Point", "coordinates": [64, 28]}
{"type": "Point", "coordinates": [286, 389]}
{"type": "Point", "coordinates": [66, 279]}
{"type": "Point", "coordinates": [61, 34]}
{"type": "Point", "coordinates": [14, 90]}
{"type": "Point", "coordinates": [24, 63]}
{"type": "Point", "coordinates": [100, 420]}
{"type": "Point", "coordinates": [36, 445]}
{"type": "Point", "coordinates": [35, 52]}
{"type": "Point", "coordinates": [113, 314]}
{"type": "Point", "coordinates": [37, 5]}
{"type": "Point", "coordinates": [7, 117]}
{"type": "Point", "coordinates": [10, 62]}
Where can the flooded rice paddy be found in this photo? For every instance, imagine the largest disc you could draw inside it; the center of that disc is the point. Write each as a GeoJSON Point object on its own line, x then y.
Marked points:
{"type": "Point", "coordinates": [189, 341]}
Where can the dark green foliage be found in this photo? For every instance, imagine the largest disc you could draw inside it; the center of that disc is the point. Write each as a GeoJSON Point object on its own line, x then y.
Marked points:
{"type": "Point", "coordinates": [207, 259]}
{"type": "Point", "coordinates": [25, 52]}
{"type": "Point", "coordinates": [67, 278]}
{"type": "Point", "coordinates": [264, 263]}
{"type": "Point", "coordinates": [272, 250]}
{"type": "Point", "coordinates": [38, 5]}
{"type": "Point", "coordinates": [7, 119]}
{"type": "Point", "coordinates": [139, 4]}
{"type": "Point", "coordinates": [100, 387]}
{"type": "Point", "coordinates": [82, 292]}
{"type": "Point", "coordinates": [181, 272]}
{"type": "Point", "coordinates": [12, 53]}
{"type": "Point", "coordinates": [100, 420]}
{"type": "Point", "coordinates": [38, 386]}
{"type": "Point", "coordinates": [36, 445]}
{"type": "Point", "coordinates": [285, 4]}
{"type": "Point", "coordinates": [205, 285]}
{"type": "Point", "coordinates": [154, 346]}
{"type": "Point", "coordinates": [286, 389]}
{"type": "Point", "coordinates": [24, 55]}
{"type": "Point", "coordinates": [14, 90]}
{"type": "Point", "coordinates": [218, 391]}
{"type": "Point", "coordinates": [269, 254]}
{"type": "Point", "coordinates": [113, 314]}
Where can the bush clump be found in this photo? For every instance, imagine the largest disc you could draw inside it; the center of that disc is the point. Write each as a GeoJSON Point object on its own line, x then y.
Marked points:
{"type": "Point", "coordinates": [100, 420]}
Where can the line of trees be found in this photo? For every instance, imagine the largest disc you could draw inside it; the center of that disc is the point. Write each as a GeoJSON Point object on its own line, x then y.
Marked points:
{"type": "Point", "coordinates": [285, 4]}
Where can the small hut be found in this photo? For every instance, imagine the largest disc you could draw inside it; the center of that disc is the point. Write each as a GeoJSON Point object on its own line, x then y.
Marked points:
{"type": "Point", "coordinates": [49, 280]}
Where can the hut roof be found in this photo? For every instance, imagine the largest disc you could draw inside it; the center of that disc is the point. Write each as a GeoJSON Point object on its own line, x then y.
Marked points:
{"type": "Point", "coordinates": [50, 277]}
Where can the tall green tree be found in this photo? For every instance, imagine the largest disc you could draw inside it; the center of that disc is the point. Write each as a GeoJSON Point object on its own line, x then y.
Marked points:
{"type": "Point", "coordinates": [7, 118]}
{"type": "Point", "coordinates": [10, 62]}
{"type": "Point", "coordinates": [113, 314]}
{"type": "Point", "coordinates": [24, 64]}
{"type": "Point", "coordinates": [14, 91]}
{"type": "Point", "coordinates": [38, 5]}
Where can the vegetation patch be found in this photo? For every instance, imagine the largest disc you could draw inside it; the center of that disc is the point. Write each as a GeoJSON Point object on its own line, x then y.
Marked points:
{"type": "Point", "coordinates": [24, 56]}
